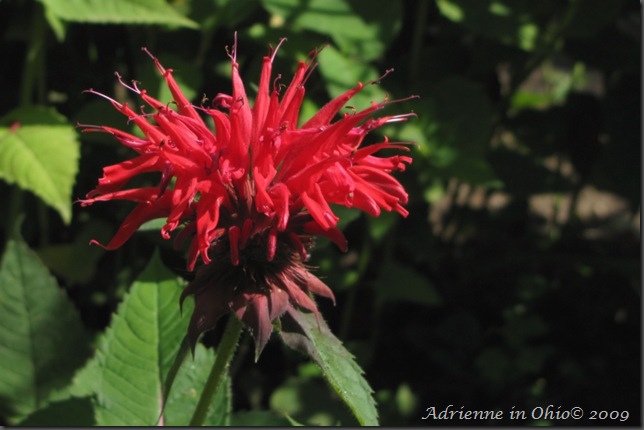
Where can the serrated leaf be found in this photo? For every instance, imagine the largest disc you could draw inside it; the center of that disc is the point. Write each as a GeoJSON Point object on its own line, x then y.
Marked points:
{"type": "Point", "coordinates": [42, 339]}
{"type": "Point", "coordinates": [312, 336]}
{"type": "Point", "coordinates": [187, 388]}
{"type": "Point", "coordinates": [138, 348]}
{"type": "Point", "coordinates": [137, 352]}
{"type": "Point", "coordinates": [144, 12]}
{"type": "Point", "coordinates": [39, 152]}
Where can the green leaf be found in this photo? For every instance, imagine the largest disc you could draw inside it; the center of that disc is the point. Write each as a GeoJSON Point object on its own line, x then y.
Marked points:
{"type": "Point", "coordinates": [56, 24]}
{"type": "Point", "coordinates": [359, 28]}
{"type": "Point", "coordinates": [143, 12]}
{"type": "Point", "coordinates": [42, 339]}
{"type": "Point", "coordinates": [353, 71]}
{"type": "Point", "coordinates": [312, 336]}
{"type": "Point", "coordinates": [187, 388]}
{"type": "Point", "coordinates": [72, 412]}
{"type": "Point", "coordinates": [138, 349]}
{"type": "Point", "coordinates": [137, 352]}
{"type": "Point", "coordinates": [39, 152]}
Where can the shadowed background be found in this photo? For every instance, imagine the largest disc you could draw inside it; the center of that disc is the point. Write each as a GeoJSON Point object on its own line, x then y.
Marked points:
{"type": "Point", "coordinates": [515, 280]}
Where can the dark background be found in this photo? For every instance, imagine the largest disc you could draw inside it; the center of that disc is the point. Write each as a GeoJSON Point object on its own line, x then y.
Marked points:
{"type": "Point", "coordinates": [515, 280]}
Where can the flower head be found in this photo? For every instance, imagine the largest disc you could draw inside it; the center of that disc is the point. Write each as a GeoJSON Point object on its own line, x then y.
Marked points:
{"type": "Point", "coordinates": [252, 190]}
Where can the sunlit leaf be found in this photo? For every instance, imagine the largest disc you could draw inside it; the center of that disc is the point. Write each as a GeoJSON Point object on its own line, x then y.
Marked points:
{"type": "Point", "coordinates": [117, 12]}
{"type": "Point", "coordinates": [138, 348]}
{"type": "Point", "coordinates": [39, 152]}
{"type": "Point", "coordinates": [136, 353]}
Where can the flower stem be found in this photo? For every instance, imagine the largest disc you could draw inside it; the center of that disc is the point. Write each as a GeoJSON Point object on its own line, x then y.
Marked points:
{"type": "Point", "coordinates": [225, 353]}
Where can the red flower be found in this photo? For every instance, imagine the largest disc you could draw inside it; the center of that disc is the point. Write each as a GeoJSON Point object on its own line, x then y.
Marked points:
{"type": "Point", "coordinates": [251, 192]}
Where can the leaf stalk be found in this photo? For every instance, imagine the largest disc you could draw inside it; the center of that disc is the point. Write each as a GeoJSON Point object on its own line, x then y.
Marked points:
{"type": "Point", "coordinates": [225, 353]}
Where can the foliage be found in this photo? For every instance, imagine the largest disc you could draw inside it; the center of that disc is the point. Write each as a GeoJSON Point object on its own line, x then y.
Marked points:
{"type": "Point", "coordinates": [514, 282]}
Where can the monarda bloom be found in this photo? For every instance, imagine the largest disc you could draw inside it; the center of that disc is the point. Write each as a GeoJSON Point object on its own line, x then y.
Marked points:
{"type": "Point", "coordinates": [251, 190]}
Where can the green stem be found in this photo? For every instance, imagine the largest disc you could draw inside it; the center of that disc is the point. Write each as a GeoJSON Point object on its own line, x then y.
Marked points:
{"type": "Point", "coordinates": [33, 66]}
{"type": "Point", "coordinates": [225, 353]}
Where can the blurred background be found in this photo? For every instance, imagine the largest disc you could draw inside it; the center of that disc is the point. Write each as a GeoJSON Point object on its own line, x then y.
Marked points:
{"type": "Point", "coordinates": [515, 280]}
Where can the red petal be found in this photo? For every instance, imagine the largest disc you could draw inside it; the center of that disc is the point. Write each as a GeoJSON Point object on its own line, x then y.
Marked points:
{"type": "Point", "coordinates": [328, 111]}
{"type": "Point", "coordinates": [334, 234]}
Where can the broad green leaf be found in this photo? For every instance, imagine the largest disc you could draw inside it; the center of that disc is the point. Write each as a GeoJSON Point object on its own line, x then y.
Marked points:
{"type": "Point", "coordinates": [56, 24]}
{"type": "Point", "coordinates": [362, 29]}
{"type": "Point", "coordinates": [136, 354]}
{"type": "Point", "coordinates": [42, 339]}
{"type": "Point", "coordinates": [138, 349]}
{"type": "Point", "coordinates": [143, 12]}
{"type": "Point", "coordinates": [187, 388]}
{"type": "Point", "coordinates": [39, 152]}
{"type": "Point", "coordinates": [312, 336]}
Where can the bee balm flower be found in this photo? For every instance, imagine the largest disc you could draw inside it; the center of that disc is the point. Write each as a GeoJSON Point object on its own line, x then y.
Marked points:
{"type": "Point", "coordinates": [252, 192]}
